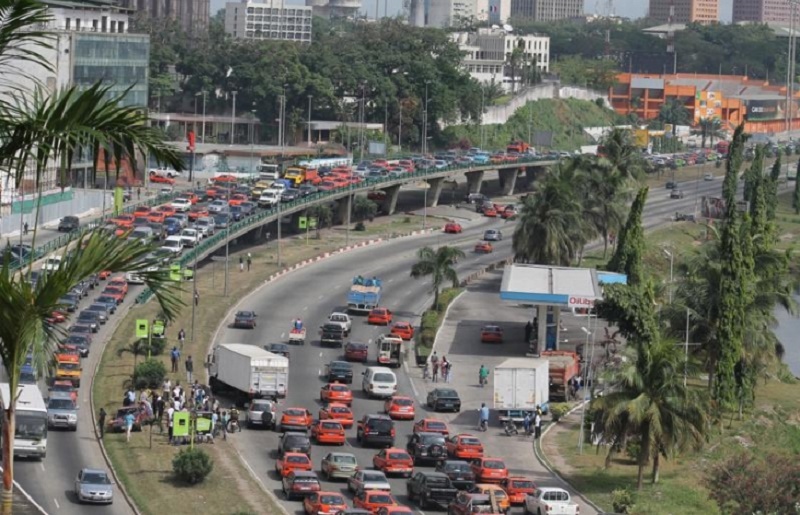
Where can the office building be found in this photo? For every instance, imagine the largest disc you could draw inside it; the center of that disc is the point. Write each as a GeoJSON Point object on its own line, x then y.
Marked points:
{"type": "Point", "coordinates": [546, 10]}
{"type": "Point", "coordinates": [763, 11]}
{"type": "Point", "coordinates": [271, 19]}
{"type": "Point", "coordinates": [192, 15]}
{"type": "Point", "coordinates": [684, 11]}
{"type": "Point", "coordinates": [487, 52]}
{"type": "Point", "coordinates": [447, 13]}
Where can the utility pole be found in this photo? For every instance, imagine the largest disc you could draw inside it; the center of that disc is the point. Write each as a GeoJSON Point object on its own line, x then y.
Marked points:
{"type": "Point", "coordinates": [400, 126]}
{"type": "Point", "coordinates": [385, 127]}
{"type": "Point", "coordinates": [279, 233]}
{"type": "Point", "coordinates": [483, 93]}
{"type": "Point", "coordinates": [425, 121]}
{"type": "Point", "coordinates": [203, 130]}
{"type": "Point", "coordinates": [309, 119]}
{"type": "Point", "coordinates": [233, 118]}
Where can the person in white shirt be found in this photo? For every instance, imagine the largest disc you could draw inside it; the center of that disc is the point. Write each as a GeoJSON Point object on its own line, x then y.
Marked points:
{"type": "Point", "coordinates": [170, 412]}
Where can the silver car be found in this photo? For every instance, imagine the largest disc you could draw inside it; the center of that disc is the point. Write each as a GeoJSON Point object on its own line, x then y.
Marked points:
{"type": "Point", "coordinates": [94, 486]}
{"type": "Point", "coordinates": [62, 412]}
{"type": "Point", "coordinates": [261, 412]}
{"type": "Point", "coordinates": [339, 465]}
{"type": "Point", "coordinates": [492, 235]}
{"type": "Point", "coordinates": [368, 480]}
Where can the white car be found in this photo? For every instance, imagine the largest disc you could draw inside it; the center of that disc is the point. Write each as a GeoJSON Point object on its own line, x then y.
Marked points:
{"type": "Point", "coordinates": [269, 198]}
{"type": "Point", "coordinates": [132, 278]}
{"type": "Point", "coordinates": [277, 186]}
{"type": "Point", "coordinates": [218, 206]}
{"type": "Point", "coordinates": [343, 320]}
{"type": "Point", "coordinates": [553, 501]}
{"type": "Point", "coordinates": [492, 235]}
{"type": "Point", "coordinates": [708, 177]}
{"type": "Point", "coordinates": [190, 237]}
{"type": "Point", "coordinates": [52, 263]}
{"type": "Point", "coordinates": [181, 204]}
{"type": "Point", "coordinates": [205, 226]}
{"type": "Point", "coordinates": [173, 244]}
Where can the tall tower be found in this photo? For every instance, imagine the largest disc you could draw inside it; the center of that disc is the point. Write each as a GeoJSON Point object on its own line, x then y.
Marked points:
{"type": "Point", "coordinates": [416, 16]}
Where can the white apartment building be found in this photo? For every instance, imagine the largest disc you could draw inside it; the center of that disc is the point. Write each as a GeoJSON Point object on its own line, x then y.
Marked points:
{"type": "Point", "coordinates": [488, 51]}
{"type": "Point", "coordinates": [270, 19]}
{"type": "Point", "coordinates": [446, 13]}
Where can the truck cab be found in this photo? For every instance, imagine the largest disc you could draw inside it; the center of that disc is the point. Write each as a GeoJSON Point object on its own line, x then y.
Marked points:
{"type": "Point", "coordinates": [390, 350]}
{"type": "Point", "coordinates": [68, 368]}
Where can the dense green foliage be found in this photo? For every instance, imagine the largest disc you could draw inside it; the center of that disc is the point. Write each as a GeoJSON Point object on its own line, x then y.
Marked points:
{"type": "Point", "coordinates": [192, 466]}
{"type": "Point", "coordinates": [750, 483]}
{"type": "Point", "coordinates": [149, 374]}
{"type": "Point", "coordinates": [439, 265]}
{"type": "Point", "coordinates": [796, 193]}
{"type": "Point", "coordinates": [628, 257]}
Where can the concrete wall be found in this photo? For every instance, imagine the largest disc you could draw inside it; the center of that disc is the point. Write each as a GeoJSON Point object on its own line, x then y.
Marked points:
{"type": "Point", "coordinates": [84, 203]}
{"type": "Point", "coordinates": [583, 94]}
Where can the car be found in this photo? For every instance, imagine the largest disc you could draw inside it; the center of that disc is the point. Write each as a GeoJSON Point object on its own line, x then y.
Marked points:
{"type": "Point", "coordinates": [160, 179]}
{"type": "Point", "coordinates": [190, 237]}
{"type": "Point", "coordinates": [467, 503]}
{"type": "Point", "coordinates": [290, 195]}
{"type": "Point", "coordinates": [173, 244]}
{"type": "Point", "coordinates": [550, 500]}
{"type": "Point", "coordinates": [101, 310]}
{"type": "Point", "coordinates": [491, 334]}
{"type": "Point", "coordinates": [676, 194]}
{"type": "Point", "coordinates": [356, 351]}
{"type": "Point", "coordinates": [475, 198]}
{"type": "Point", "coordinates": [340, 412]}
{"type": "Point", "coordinates": [490, 211]}
{"type": "Point", "coordinates": [375, 430]}
{"type": "Point", "coordinates": [218, 206]}
{"type": "Point", "coordinates": [141, 211]}
{"type": "Point", "coordinates": [65, 387]}
{"type": "Point", "coordinates": [206, 226]}
{"type": "Point", "coordinates": [493, 235]}
{"type": "Point", "coordinates": [496, 491]}
{"type": "Point", "coordinates": [294, 441]}
{"type": "Point", "coordinates": [427, 447]}
{"type": "Point", "coordinates": [431, 425]}
{"type": "Point", "coordinates": [343, 320]}
{"type": "Point", "coordinates": [339, 372]}
{"type": "Point", "coordinates": [393, 461]}
{"type": "Point", "coordinates": [509, 212]}
{"type": "Point", "coordinates": [394, 510]}
{"type": "Point", "coordinates": [89, 318]}
{"type": "Point", "coordinates": [280, 349]}
{"type": "Point", "coordinates": [69, 302]}
{"type": "Point", "coordinates": [403, 329]}
{"type": "Point", "coordinates": [484, 247]}
{"type": "Point", "coordinates": [292, 461]}
{"type": "Point", "coordinates": [464, 446]}
{"type": "Point", "coordinates": [300, 483]}
{"type": "Point", "coordinates": [335, 392]}
{"type": "Point", "coordinates": [262, 413]}
{"type": "Point", "coordinates": [518, 488]}
{"type": "Point", "coordinates": [441, 399]}
{"type": "Point", "coordinates": [172, 226]}
{"type": "Point", "coordinates": [459, 472]}
{"type": "Point", "coordinates": [109, 302]}
{"type": "Point", "coordinates": [452, 228]}
{"type": "Point", "coordinates": [62, 411]}
{"type": "Point", "coordinates": [56, 317]}
{"type": "Point", "coordinates": [117, 424]}
{"type": "Point", "coordinates": [237, 199]}
{"type": "Point", "coordinates": [708, 177]}
{"type": "Point", "coordinates": [69, 224]}
{"type": "Point", "coordinates": [671, 185]}
{"type": "Point", "coordinates": [489, 470]}
{"type": "Point", "coordinates": [244, 320]}
{"type": "Point", "coordinates": [80, 342]}
{"type": "Point", "coordinates": [94, 486]}
{"type": "Point", "coordinates": [332, 335]}
{"type": "Point", "coordinates": [368, 480]}
{"type": "Point", "coordinates": [328, 431]}
{"type": "Point", "coordinates": [380, 316]}
{"type": "Point", "coordinates": [181, 204]}
{"type": "Point", "coordinates": [198, 212]}
{"type": "Point", "coordinates": [338, 465]}
{"type": "Point", "coordinates": [373, 499]}
{"type": "Point", "coordinates": [324, 503]}
{"type": "Point", "coordinates": [399, 407]}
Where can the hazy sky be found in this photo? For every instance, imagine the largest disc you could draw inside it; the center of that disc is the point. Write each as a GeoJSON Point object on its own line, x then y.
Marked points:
{"type": "Point", "coordinates": [628, 8]}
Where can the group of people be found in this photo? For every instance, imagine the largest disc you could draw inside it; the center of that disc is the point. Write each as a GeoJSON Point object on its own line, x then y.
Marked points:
{"type": "Point", "coordinates": [439, 368]}
{"type": "Point", "coordinates": [242, 262]}
{"type": "Point", "coordinates": [175, 356]}
{"type": "Point", "coordinates": [532, 423]}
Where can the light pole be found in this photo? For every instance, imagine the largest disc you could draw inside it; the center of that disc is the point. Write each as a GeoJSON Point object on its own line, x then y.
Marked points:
{"type": "Point", "coordinates": [203, 130]}
{"type": "Point", "coordinates": [385, 127]}
{"type": "Point", "coordinates": [425, 121]}
{"type": "Point", "coordinates": [309, 119]}
{"type": "Point", "coordinates": [194, 119]}
{"type": "Point", "coordinates": [227, 245]}
{"type": "Point", "coordinates": [233, 118]}
{"type": "Point", "coordinates": [483, 93]}
{"type": "Point", "coordinates": [347, 224]}
{"type": "Point", "coordinates": [586, 377]}
{"type": "Point", "coordinates": [279, 233]}
{"type": "Point", "coordinates": [400, 125]}
{"type": "Point", "coordinates": [686, 350]}
{"type": "Point", "coordinates": [425, 205]}
{"type": "Point", "coordinates": [671, 268]}
{"type": "Point", "coordinates": [252, 140]}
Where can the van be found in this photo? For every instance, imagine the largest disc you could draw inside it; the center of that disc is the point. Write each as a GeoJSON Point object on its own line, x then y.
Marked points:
{"type": "Point", "coordinates": [379, 382]}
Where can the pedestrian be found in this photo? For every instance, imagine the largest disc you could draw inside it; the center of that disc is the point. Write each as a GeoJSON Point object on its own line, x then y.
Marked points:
{"type": "Point", "coordinates": [526, 423]}
{"type": "Point", "coordinates": [434, 366]}
{"type": "Point", "coordinates": [249, 261]}
{"type": "Point", "coordinates": [131, 397]}
{"type": "Point", "coordinates": [160, 409]}
{"type": "Point", "coordinates": [537, 425]}
{"type": "Point", "coordinates": [174, 357]}
{"type": "Point", "coordinates": [483, 374]}
{"type": "Point", "coordinates": [225, 420]}
{"type": "Point", "coordinates": [25, 228]}
{"type": "Point", "coordinates": [181, 336]}
{"type": "Point", "coordinates": [449, 372]}
{"type": "Point", "coordinates": [101, 421]}
{"type": "Point", "coordinates": [241, 264]}
{"type": "Point", "coordinates": [196, 298]}
{"type": "Point", "coordinates": [170, 412]}
{"type": "Point", "coordinates": [129, 420]}
{"type": "Point", "coordinates": [189, 369]}
{"type": "Point", "coordinates": [166, 388]}
{"type": "Point", "coordinates": [528, 331]}
{"type": "Point", "coordinates": [443, 368]}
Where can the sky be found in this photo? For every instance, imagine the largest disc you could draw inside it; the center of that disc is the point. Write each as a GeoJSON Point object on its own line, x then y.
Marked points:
{"type": "Point", "coordinates": [629, 8]}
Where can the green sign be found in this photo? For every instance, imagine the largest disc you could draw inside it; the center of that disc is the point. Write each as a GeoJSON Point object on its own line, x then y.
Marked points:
{"type": "Point", "coordinates": [118, 201]}
{"type": "Point", "coordinates": [180, 423]}
{"type": "Point", "coordinates": [203, 425]}
{"type": "Point", "coordinates": [175, 273]}
{"type": "Point", "coordinates": [312, 222]}
{"type": "Point", "coordinates": [302, 222]}
{"type": "Point", "coordinates": [142, 328]}
{"type": "Point", "coordinates": [158, 328]}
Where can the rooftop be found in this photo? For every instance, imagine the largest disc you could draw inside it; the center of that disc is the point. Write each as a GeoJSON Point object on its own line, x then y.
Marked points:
{"type": "Point", "coordinates": [543, 284]}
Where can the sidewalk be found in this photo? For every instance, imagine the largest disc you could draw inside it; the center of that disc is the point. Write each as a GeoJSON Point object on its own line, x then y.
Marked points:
{"type": "Point", "coordinates": [459, 341]}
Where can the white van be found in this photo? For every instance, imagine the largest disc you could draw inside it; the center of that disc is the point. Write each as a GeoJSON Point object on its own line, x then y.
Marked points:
{"type": "Point", "coordinates": [52, 263]}
{"type": "Point", "coordinates": [379, 382]}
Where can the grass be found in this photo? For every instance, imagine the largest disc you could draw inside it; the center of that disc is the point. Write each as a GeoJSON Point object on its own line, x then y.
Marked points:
{"type": "Point", "coordinates": [146, 471]}
{"type": "Point", "coordinates": [432, 319]}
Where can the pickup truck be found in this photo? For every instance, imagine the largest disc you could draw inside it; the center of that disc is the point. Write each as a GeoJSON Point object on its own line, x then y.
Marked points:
{"type": "Point", "coordinates": [341, 319]}
{"type": "Point", "coordinates": [331, 335]}
{"type": "Point", "coordinates": [552, 501]}
{"type": "Point", "coordinates": [430, 489]}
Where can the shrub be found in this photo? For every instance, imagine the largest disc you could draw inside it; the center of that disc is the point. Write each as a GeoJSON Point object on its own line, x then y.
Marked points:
{"type": "Point", "coordinates": [622, 501]}
{"type": "Point", "coordinates": [407, 220]}
{"type": "Point", "coordinates": [558, 410]}
{"type": "Point", "coordinates": [364, 208]}
{"type": "Point", "coordinates": [149, 374]}
{"type": "Point", "coordinates": [360, 227]}
{"type": "Point", "coordinates": [430, 320]}
{"type": "Point", "coordinates": [632, 449]}
{"type": "Point", "coordinates": [426, 338]}
{"type": "Point", "coordinates": [192, 465]}
{"type": "Point", "coordinates": [157, 346]}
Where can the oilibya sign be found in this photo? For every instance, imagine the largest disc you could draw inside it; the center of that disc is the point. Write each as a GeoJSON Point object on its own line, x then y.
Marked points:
{"type": "Point", "coordinates": [580, 302]}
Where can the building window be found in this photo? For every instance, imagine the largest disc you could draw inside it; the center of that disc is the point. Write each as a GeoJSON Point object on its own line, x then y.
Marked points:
{"type": "Point", "coordinates": [105, 24]}
{"type": "Point", "coordinates": [121, 26]}
{"type": "Point", "coordinates": [67, 25]}
{"type": "Point", "coordinates": [78, 24]}
{"type": "Point", "coordinates": [94, 25]}
{"type": "Point", "coordinates": [113, 26]}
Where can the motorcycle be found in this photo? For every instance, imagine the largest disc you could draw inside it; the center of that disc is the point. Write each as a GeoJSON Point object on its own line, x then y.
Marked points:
{"type": "Point", "coordinates": [510, 428]}
{"type": "Point", "coordinates": [484, 425]}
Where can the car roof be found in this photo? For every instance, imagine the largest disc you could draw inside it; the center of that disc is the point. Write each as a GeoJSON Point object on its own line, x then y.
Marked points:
{"type": "Point", "coordinates": [93, 471]}
{"type": "Point", "coordinates": [305, 473]}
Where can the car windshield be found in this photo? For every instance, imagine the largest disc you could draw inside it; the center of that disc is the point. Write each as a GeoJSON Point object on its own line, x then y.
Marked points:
{"type": "Point", "coordinates": [299, 440]}
{"type": "Point", "coordinates": [331, 425]}
{"type": "Point", "coordinates": [380, 424]}
{"type": "Point", "coordinates": [468, 440]}
{"type": "Point", "coordinates": [380, 499]}
{"type": "Point", "coordinates": [297, 459]}
{"type": "Point", "coordinates": [305, 479]}
{"type": "Point", "coordinates": [244, 314]}
{"type": "Point", "coordinates": [294, 413]}
{"type": "Point", "coordinates": [340, 409]}
{"type": "Point", "coordinates": [259, 406]}
{"type": "Point", "coordinates": [399, 456]}
{"type": "Point", "coordinates": [89, 315]}
{"type": "Point", "coordinates": [338, 388]}
{"type": "Point", "coordinates": [331, 499]}
{"type": "Point", "coordinates": [526, 485]}
{"type": "Point", "coordinates": [345, 459]}
{"type": "Point", "coordinates": [434, 424]}
{"type": "Point", "coordinates": [374, 477]}
{"type": "Point", "coordinates": [457, 467]}
{"type": "Point", "coordinates": [60, 404]}
{"type": "Point", "coordinates": [76, 340]}
{"type": "Point", "coordinates": [494, 464]}
{"type": "Point", "coordinates": [340, 365]}
{"type": "Point", "coordinates": [383, 378]}
{"type": "Point", "coordinates": [447, 394]}
{"type": "Point", "coordinates": [172, 244]}
{"type": "Point", "coordinates": [31, 426]}
{"type": "Point", "coordinates": [96, 478]}
{"type": "Point", "coordinates": [69, 366]}
{"type": "Point", "coordinates": [433, 439]}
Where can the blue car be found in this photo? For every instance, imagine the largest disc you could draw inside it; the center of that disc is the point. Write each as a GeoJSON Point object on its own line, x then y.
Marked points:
{"type": "Point", "coordinates": [480, 158]}
{"type": "Point", "coordinates": [172, 226]}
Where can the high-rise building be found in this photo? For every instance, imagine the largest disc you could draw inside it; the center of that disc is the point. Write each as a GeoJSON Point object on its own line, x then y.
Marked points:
{"type": "Point", "coordinates": [270, 19]}
{"type": "Point", "coordinates": [446, 13]}
{"type": "Point", "coordinates": [762, 11]}
{"type": "Point", "coordinates": [685, 11]}
{"type": "Point", "coordinates": [191, 14]}
{"type": "Point", "coordinates": [546, 10]}
{"type": "Point", "coordinates": [335, 8]}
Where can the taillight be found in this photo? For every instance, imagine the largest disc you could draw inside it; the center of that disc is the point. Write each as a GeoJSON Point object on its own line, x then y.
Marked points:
{"type": "Point", "coordinates": [392, 432]}
{"type": "Point", "coordinates": [366, 430]}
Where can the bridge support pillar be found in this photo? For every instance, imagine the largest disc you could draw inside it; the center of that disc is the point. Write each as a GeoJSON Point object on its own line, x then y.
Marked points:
{"type": "Point", "coordinates": [508, 179]}
{"type": "Point", "coordinates": [434, 191]}
{"type": "Point", "coordinates": [474, 181]}
{"type": "Point", "coordinates": [343, 205]}
{"type": "Point", "coordinates": [389, 204]}
{"type": "Point", "coordinates": [532, 173]}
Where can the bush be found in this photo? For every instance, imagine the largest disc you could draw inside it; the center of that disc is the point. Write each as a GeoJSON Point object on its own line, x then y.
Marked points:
{"type": "Point", "coordinates": [192, 465]}
{"type": "Point", "coordinates": [430, 320]}
{"type": "Point", "coordinates": [558, 410]}
{"type": "Point", "coordinates": [149, 374]}
{"type": "Point", "coordinates": [360, 227]}
{"type": "Point", "coordinates": [446, 296]}
{"type": "Point", "coordinates": [364, 208]}
{"type": "Point", "coordinates": [157, 346]}
{"type": "Point", "coordinates": [622, 501]}
{"type": "Point", "coordinates": [632, 449]}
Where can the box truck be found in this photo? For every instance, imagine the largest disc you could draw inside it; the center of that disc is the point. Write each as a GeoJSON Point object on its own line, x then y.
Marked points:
{"type": "Point", "coordinates": [520, 384]}
{"type": "Point", "coordinates": [247, 372]}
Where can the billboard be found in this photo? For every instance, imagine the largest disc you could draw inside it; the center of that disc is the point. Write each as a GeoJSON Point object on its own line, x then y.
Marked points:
{"type": "Point", "coordinates": [765, 110]}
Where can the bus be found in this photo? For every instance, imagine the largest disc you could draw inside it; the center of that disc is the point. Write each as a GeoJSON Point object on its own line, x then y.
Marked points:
{"type": "Point", "coordinates": [30, 437]}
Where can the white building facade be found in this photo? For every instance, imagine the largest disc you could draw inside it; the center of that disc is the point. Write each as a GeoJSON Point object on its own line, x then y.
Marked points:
{"type": "Point", "coordinates": [268, 20]}
{"type": "Point", "coordinates": [448, 13]}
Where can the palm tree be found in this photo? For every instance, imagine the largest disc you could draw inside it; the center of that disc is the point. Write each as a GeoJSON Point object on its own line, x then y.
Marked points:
{"type": "Point", "coordinates": [42, 131]}
{"type": "Point", "coordinates": [709, 128]}
{"type": "Point", "coordinates": [605, 196]}
{"type": "Point", "coordinates": [674, 112]}
{"type": "Point", "coordinates": [439, 265]}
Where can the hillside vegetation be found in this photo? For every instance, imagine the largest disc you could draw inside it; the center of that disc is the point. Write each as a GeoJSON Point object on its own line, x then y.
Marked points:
{"type": "Point", "coordinates": [566, 118]}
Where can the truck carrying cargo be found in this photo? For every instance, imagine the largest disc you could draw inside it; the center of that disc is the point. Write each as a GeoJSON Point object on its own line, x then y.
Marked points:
{"type": "Point", "coordinates": [564, 365]}
{"type": "Point", "coordinates": [520, 385]}
{"type": "Point", "coordinates": [247, 371]}
{"type": "Point", "coordinates": [364, 295]}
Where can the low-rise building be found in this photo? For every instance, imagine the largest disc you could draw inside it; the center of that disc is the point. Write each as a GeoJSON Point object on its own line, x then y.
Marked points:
{"type": "Point", "coordinates": [269, 19]}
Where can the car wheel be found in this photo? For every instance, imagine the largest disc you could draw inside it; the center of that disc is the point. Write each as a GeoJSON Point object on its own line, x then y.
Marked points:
{"type": "Point", "coordinates": [409, 493]}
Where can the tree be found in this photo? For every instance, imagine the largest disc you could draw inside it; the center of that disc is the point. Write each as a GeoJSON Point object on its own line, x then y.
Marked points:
{"type": "Point", "coordinates": [364, 208]}
{"type": "Point", "coordinates": [753, 174]}
{"type": "Point", "coordinates": [796, 193]}
{"type": "Point", "coordinates": [709, 128]}
{"type": "Point", "coordinates": [674, 112]}
{"type": "Point", "coordinates": [748, 483]}
{"type": "Point", "coordinates": [599, 74]}
{"type": "Point", "coordinates": [604, 197]}
{"type": "Point", "coordinates": [732, 165]}
{"type": "Point", "coordinates": [323, 214]}
{"type": "Point", "coordinates": [516, 60]}
{"type": "Point", "coordinates": [439, 265]}
{"type": "Point", "coordinates": [772, 188]}
{"type": "Point", "coordinates": [40, 130]}
{"type": "Point", "coordinates": [628, 257]}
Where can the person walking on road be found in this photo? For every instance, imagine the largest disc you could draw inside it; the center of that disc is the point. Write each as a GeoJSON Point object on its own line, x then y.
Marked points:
{"type": "Point", "coordinates": [196, 298]}
{"type": "Point", "coordinates": [129, 419]}
{"type": "Point", "coordinates": [101, 421]}
{"type": "Point", "coordinates": [483, 417]}
{"type": "Point", "coordinates": [181, 337]}
{"type": "Point", "coordinates": [249, 261]}
{"type": "Point", "coordinates": [483, 375]}
{"type": "Point", "coordinates": [434, 366]}
{"type": "Point", "coordinates": [189, 369]}
{"type": "Point", "coordinates": [170, 412]}
{"type": "Point", "coordinates": [175, 355]}
{"type": "Point", "coordinates": [25, 228]}
{"type": "Point", "coordinates": [241, 264]}
{"type": "Point", "coordinates": [537, 425]}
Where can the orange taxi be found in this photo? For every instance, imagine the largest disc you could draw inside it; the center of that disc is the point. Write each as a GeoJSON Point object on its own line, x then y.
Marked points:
{"type": "Point", "coordinates": [431, 425]}
{"type": "Point", "coordinates": [141, 211]}
{"type": "Point", "coordinates": [484, 247]}
{"type": "Point", "coordinates": [491, 334]}
{"type": "Point", "coordinates": [119, 282]}
{"type": "Point", "coordinates": [104, 274]}
{"type": "Point", "coordinates": [335, 392]}
{"type": "Point", "coordinates": [237, 199]}
{"type": "Point", "coordinates": [167, 210]}
{"type": "Point", "coordinates": [292, 461]}
{"type": "Point", "coordinates": [464, 446]}
{"type": "Point", "coordinates": [518, 488]}
{"type": "Point", "coordinates": [500, 495]}
{"type": "Point", "coordinates": [122, 232]}
{"type": "Point", "coordinates": [453, 228]}
{"type": "Point", "coordinates": [198, 212]}
{"type": "Point", "coordinates": [157, 217]}
{"type": "Point", "coordinates": [403, 330]}
{"type": "Point", "coordinates": [380, 316]}
{"type": "Point", "coordinates": [56, 317]}
{"type": "Point", "coordinates": [225, 179]}
{"type": "Point", "coordinates": [394, 461]}
{"type": "Point", "coordinates": [490, 212]}
{"type": "Point", "coordinates": [191, 197]}
{"type": "Point", "coordinates": [115, 293]}
{"type": "Point", "coordinates": [320, 503]}
{"type": "Point", "coordinates": [339, 412]}
{"type": "Point", "coordinates": [328, 431]}
{"type": "Point", "coordinates": [400, 407]}
{"type": "Point", "coordinates": [394, 510]}
{"type": "Point", "coordinates": [296, 419]}
{"type": "Point", "coordinates": [123, 220]}
{"type": "Point", "coordinates": [371, 500]}
{"type": "Point", "coordinates": [489, 470]}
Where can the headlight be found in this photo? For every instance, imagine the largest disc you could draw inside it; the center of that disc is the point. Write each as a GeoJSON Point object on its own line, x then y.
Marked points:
{"type": "Point", "coordinates": [72, 418]}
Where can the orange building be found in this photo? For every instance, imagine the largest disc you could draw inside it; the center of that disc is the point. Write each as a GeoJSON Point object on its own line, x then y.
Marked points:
{"type": "Point", "coordinates": [730, 98]}
{"type": "Point", "coordinates": [685, 11]}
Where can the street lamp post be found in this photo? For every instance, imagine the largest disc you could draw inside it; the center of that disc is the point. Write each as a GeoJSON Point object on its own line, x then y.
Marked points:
{"type": "Point", "coordinates": [203, 130]}
{"type": "Point", "coordinates": [385, 127]}
{"type": "Point", "coordinates": [400, 125]}
{"type": "Point", "coordinates": [483, 92]}
{"type": "Point", "coordinates": [671, 269]}
{"type": "Point", "coordinates": [233, 118]}
{"type": "Point", "coordinates": [586, 377]}
{"type": "Point", "coordinates": [252, 140]}
{"type": "Point", "coordinates": [309, 119]}
{"type": "Point", "coordinates": [425, 121]}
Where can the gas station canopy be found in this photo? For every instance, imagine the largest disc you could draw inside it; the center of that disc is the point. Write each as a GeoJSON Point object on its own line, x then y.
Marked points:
{"type": "Point", "coordinates": [556, 286]}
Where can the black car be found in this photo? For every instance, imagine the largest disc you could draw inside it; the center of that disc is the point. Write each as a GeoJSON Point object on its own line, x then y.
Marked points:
{"type": "Point", "coordinates": [248, 208]}
{"type": "Point", "coordinates": [81, 289]}
{"type": "Point", "coordinates": [339, 371]}
{"type": "Point", "coordinates": [82, 330]}
{"type": "Point", "coordinates": [459, 472]}
{"type": "Point", "coordinates": [245, 320]}
{"type": "Point", "coordinates": [90, 318]}
{"type": "Point", "coordinates": [424, 446]}
{"type": "Point", "coordinates": [331, 335]}
{"type": "Point", "coordinates": [69, 224]}
{"type": "Point", "coordinates": [70, 301]}
{"type": "Point", "coordinates": [278, 348]}
{"type": "Point", "coordinates": [444, 399]}
{"type": "Point", "coordinates": [292, 441]}
{"type": "Point", "coordinates": [376, 430]}
{"type": "Point", "coordinates": [102, 309]}
{"type": "Point", "coordinates": [290, 194]}
{"type": "Point", "coordinates": [307, 189]}
{"type": "Point", "coordinates": [236, 212]}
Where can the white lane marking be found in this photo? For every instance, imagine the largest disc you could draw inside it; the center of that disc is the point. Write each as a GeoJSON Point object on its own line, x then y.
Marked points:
{"type": "Point", "coordinates": [390, 280]}
{"type": "Point", "coordinates": [305, 308]}
{"type": "Point", "coordinates": [319, 371]}
{"type": "Point", "coordinates": [56, 503]}
{"type": "Point", "coordinates": [283, 335]}
{"type": "Point", "coordinates": [42, 465]}
{"type": "Point", "coordinates": [411, 381]}
{"type": "Point", "coordinates": [320, 297]}
{"type": "Point", "coordinates": [369, 341]}
{"type": "Point", "coordinates": [320, 354]}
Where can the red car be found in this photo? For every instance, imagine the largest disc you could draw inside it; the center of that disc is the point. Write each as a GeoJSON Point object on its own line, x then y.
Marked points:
{"type": "Point", "coordinates": [490, 212]}
{"type": "Point", "coordinates": [56, 317]}
{"type": "Point", "coordinates": [403, 330]}
{"type": "Point", "coordinates": [292, 461]}
{"type": "Point", "coordinates": [489, 470]}
{"type": "Point", "coordinates": [464, 447]}
{"type": "Point", "coordinates": [518, 488]}
{"type": "Point", "coordinates": [380, 316]}
{"type": "Point", "coordinates": [400, 407]}
{"type": "Point", "coordinates": [508, 212]}
{"type": "Point", "coordinates": [484, 247]}
{"type": "Point", "coordinates": [452, 228]}
{"type": "Point", "coordinates": [155, 178]}
{"type": "Point", "coordinates": [431, 425]}
{"type": "Point", "coordinates": [393, 461]}
{"type": "Point", "coordinates": [356, 351]}
{"type": "Point", "coordinates": [492, 334]}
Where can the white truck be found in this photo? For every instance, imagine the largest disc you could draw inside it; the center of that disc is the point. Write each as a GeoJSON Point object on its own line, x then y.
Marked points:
{"type": "Point", "coordinates": [550, 501]}
{"type": "Point", "coordinates": [343, 320]}
{"type": "Point", "coordinates": [247, 372]}
{"type": "Point", "coordinates": [520, 385]}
